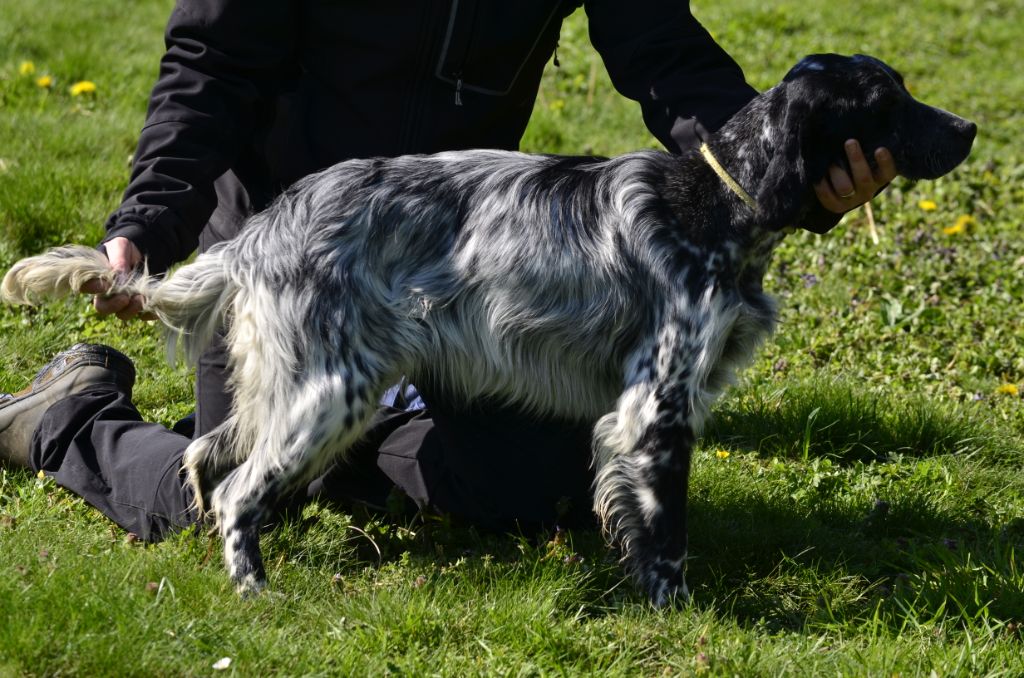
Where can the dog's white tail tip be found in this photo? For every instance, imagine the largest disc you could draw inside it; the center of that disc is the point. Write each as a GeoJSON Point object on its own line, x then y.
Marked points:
{"type": "Point", "coordinates": [59, 271]}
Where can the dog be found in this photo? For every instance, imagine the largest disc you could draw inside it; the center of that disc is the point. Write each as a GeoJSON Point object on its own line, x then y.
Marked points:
{"type": "Point", "coordinates": [623, 292]}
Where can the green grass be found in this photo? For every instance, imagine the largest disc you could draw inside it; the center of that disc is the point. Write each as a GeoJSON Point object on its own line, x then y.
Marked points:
{"type": "Point", "coordinates": [857, 502]}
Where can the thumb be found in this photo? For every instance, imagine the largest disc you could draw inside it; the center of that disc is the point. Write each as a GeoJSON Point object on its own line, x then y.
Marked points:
{"type": "Point", "coordinates": [123, 256]}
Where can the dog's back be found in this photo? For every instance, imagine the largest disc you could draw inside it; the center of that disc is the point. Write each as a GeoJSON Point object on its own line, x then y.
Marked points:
{"type": "Point", "coordinates": [484, 289]}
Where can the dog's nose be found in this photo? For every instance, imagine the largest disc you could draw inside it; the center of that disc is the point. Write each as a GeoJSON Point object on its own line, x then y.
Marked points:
{"type": "Point", "coordinates": [968, 129]}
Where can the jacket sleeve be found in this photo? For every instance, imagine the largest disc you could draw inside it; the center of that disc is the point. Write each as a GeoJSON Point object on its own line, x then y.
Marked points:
{"type": "Point", "coordinates": [224, 61]}
{"type": "Point", "coordinates": [658, 54]}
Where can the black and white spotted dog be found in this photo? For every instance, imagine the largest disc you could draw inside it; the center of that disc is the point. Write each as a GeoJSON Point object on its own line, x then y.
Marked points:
{"type": "Point", "coordinates": [623, 292]}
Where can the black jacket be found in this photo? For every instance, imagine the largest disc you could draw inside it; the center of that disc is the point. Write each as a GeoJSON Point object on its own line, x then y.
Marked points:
{"type": "Point", "coordinates": [253, 94]}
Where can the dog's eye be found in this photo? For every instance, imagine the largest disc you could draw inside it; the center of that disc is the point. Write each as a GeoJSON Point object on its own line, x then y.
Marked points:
{"type": "Point", "coordinates": [889, 98]}
{"type": "Point", "coordinates": [887, 103]}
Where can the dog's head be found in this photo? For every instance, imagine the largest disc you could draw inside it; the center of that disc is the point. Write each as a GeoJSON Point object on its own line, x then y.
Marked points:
{"type": "Point", "coordinates": [828, 98]}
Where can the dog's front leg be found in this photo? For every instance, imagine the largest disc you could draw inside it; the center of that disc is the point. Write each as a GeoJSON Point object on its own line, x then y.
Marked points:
{"type": "Point", "coordinates": [642, 454]}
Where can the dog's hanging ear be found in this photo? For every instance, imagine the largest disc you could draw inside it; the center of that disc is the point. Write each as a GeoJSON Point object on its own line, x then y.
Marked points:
{"type": "Point", "coordinates": [800, 156]}
{"type": "Point", "coordinates": [784, 186]}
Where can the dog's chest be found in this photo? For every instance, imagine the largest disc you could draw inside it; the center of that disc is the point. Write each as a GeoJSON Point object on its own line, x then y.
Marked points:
{"type": "Point", "coordinates": [753, 323]}
{"type": "Point", "coordinates": [742, 321]}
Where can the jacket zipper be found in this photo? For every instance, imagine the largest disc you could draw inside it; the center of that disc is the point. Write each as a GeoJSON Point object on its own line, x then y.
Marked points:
{"type": "Point", "coordinates": [456, 78]}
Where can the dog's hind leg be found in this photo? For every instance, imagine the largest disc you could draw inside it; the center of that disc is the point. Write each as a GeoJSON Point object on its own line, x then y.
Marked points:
{"type": "Point", "coordinates": [327, 414]}
{"type": "Point", "coordinates": [211, 457]}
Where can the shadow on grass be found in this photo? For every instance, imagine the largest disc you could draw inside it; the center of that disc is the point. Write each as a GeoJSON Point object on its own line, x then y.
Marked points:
{"type": "Point", "coordinates": [757, 556]}
{"type": "Point", "coordinates": [849, 424]}
{"type": "Point", "coordinates": [788, 569]}
{"type": "Point", "coordinates": [766, 560]}
{"type": "Point", "coordinates": [789, 565]}
{"type": "Point", "coordinates": [762, 562]}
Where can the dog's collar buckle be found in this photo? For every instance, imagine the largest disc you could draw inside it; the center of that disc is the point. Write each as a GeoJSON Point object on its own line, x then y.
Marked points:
{"type": "Point", "coordinates": [726, 178]}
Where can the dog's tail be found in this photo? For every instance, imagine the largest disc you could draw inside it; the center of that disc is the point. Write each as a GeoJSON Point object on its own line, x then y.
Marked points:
{"type": "Point", "coordinates": [192, 303]}
{"type": "Point", "coordinates": [56, 273]}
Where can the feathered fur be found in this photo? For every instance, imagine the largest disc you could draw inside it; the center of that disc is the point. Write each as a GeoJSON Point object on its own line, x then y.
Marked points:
{"type": "Point", "coordinates": [623, 292]}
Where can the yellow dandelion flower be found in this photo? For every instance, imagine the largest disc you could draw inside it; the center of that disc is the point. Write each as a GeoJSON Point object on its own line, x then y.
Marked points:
{"type": "Point", "coordinates": [45, 82]}
{"type": "Point", "coordinates": [82, 87]}
{"type": "Point", "coordinates": [40, 475]}
{"type": "Point", "coordinates": [927, 205]}
{"type": "Point", "coordinates": [26, 68]}
{"type": "Point", "coordinates": [1008, 389]}
{"type": "Point", "coordinates": [963, 222]}
{"type": "Point", "coordinates": [722, 454]}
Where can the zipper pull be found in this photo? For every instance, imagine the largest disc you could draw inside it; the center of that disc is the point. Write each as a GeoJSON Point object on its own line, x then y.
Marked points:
{"type": "Point", "coordinates": [458, 92]}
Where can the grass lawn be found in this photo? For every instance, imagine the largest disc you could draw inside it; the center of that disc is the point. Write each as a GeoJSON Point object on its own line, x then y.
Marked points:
{"type": "Point", "coordinates": [857, 503]}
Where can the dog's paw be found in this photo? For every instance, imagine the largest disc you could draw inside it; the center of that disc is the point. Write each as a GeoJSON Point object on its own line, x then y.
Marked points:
{"type": "Point", "coordinates": [250, 585]}
{"type": "Point", "coordinates": [664, 582]}
{"type": "Point", "coordinates": [667, 595]}
{"type": "Point", "coordinates": [244, 562]}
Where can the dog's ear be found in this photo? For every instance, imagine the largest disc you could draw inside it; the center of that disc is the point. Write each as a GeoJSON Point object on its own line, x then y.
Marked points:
{"type": "Point", "coordinates": [808, 142]}
{"type": "Point", "coordinates": [795, 159]}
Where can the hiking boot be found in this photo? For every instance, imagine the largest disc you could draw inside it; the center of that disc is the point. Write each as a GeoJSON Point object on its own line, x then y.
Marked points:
{"type": "Point", "coordinates": [71, 371]}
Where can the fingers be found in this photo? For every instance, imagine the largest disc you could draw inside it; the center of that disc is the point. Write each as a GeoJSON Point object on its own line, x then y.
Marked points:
{"type": "Point", "coordinates": [841, 192]}
{"type": "Point", "coordinates": [95, 287]}
{"type": "Point", "coordinates": [863, 178]}
{"type": "Point", "coordinates": [886, 171]}
{"type": "Point", "coordinates": [828, 198]}
{"type": "Point", "coordinates": [123, 306]}
{"type": "Point", "coordinates": [841, 182]}
{"type": "Point", "coordinates": [124, 257]}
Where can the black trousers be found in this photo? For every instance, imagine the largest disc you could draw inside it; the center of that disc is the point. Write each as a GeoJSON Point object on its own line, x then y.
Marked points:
{"type": "Point", "coordinates": [484, 465]}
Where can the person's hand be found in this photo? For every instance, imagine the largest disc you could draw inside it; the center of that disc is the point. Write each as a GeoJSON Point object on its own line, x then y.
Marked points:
{"type": "Point", "coordinates": [840, 193]}
{"type": "Point", "coordinates": [124, 257]}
